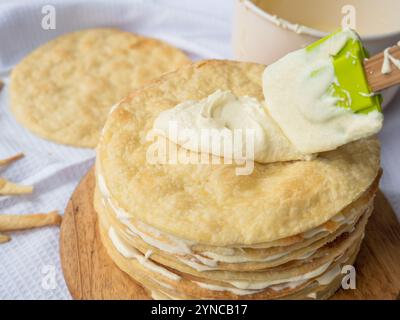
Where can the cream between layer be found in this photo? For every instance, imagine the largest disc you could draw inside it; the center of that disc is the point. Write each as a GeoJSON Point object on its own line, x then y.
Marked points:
{"type": "Point", "coordinates": [257, 285]}
{"type": "Point", "coordinates": [239, 287]}
{"type": "Point", "coordinates": [132, 253]}
{"type": "Point", "coordinates": [209, 261]}
{"type": "Point", "coordinates": [212, 287]}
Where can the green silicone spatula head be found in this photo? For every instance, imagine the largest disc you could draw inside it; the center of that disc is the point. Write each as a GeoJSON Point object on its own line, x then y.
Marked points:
{"type": "Point", "coordinates": [351, 86]}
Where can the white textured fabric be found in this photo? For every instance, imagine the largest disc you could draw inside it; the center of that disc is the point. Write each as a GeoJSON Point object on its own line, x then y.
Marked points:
{"type": "Point", "coordinates": [30, 264]}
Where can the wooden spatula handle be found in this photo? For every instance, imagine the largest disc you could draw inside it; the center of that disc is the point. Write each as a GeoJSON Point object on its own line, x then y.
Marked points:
{"type": "Point", "coordinates": [373, 68]}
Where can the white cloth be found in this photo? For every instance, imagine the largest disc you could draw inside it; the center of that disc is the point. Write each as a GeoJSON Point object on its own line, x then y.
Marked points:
{"type": "Point", "coordinates": [30, 263]}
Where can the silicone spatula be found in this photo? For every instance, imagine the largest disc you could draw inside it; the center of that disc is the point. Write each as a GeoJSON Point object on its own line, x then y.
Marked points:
{"type": "Point", "coordinates": [360, 78]}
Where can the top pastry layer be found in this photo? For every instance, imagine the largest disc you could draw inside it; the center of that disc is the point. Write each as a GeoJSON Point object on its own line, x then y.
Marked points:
{"type": "Point", "coordinates": [209, 203]}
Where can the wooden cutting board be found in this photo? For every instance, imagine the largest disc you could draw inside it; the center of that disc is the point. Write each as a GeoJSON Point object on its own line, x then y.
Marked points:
{"type": "Point", "coordinates": [91, 274]}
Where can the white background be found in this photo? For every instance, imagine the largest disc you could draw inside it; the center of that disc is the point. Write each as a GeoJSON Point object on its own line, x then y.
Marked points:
{"type": "Point", "coordinates": [201, 28]}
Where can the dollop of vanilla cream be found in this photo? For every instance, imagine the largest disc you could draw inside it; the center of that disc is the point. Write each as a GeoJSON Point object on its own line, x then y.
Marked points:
{"type": "Point", "coordinates": [227, 126]}
{"type": "Point", "coordinates": [298, 97]}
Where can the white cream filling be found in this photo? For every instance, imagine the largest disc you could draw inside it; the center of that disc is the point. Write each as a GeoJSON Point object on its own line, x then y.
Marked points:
{"type": "Point", "coordinates": [312, 295]}
{"type": "Point", "coordinates": [251, 287]}
{"type": "Point", "coordinates": [213, 287]}
{"type": "Point", "coordinates": [206, 264]}
{"type": "Point", "coordinates": [195, 265]}
{"type": "Point", "coordinates": [227, 126]}
{"type": "Point", "coordinates": [339, 218]}
{"type": "Point", "coordinates": [175, 248]}
{"type": "Point", "coordinates": [387, 60]}
{"type": "Point", "coordinates": [242, 287]}
{"type": "Point", "coordinates": [313, 232]}
{"type": "Point", "coordinates": [163, 284]}
{"type": "Point", "coordinates": [102, 184]}
{"type": "Point", "coordinates": [371, 94]}
{"type": "Point", "coordinates": [121, 215]}
{"type": "Point", "coordinates": [132, 253]}
{"type": "Point", "coordinates": [158, 296]}
{"type": "Point", "coordinates": [307, 255]}
{"type": "Point", "coordinates": [258, 285]}
{"type": "Point", "coordinates": [329, 276]}
{"type": "Point", "coordinates": [288, 285]}
{"type": "Point", "coordinates": [241, 259]}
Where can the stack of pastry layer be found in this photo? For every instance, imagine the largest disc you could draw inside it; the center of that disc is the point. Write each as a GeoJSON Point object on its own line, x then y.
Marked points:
{"type": "Point", "coordinates": [199, 231]}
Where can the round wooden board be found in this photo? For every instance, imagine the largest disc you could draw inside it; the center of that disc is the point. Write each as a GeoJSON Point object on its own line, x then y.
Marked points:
{"type": "Point", "coordinates": [91, 274]}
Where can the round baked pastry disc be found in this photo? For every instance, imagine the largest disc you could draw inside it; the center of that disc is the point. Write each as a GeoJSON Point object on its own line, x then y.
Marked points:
{"type": "Point", "coordinates": [64, 90]}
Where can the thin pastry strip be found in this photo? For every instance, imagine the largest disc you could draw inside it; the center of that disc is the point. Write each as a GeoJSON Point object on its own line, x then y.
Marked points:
{"type": "Point", "coordinates": [7, 161]}
{"type": "Point", "coordinates": [11, 222]}
{"type": "Point", "coordinates": [4, 238]}
{"type": "Point", "coordinates": [10, 188]}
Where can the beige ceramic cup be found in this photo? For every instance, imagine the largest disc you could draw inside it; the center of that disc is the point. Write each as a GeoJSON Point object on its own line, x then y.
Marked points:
{"type": "Point", "coordinates": [259, 37]}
